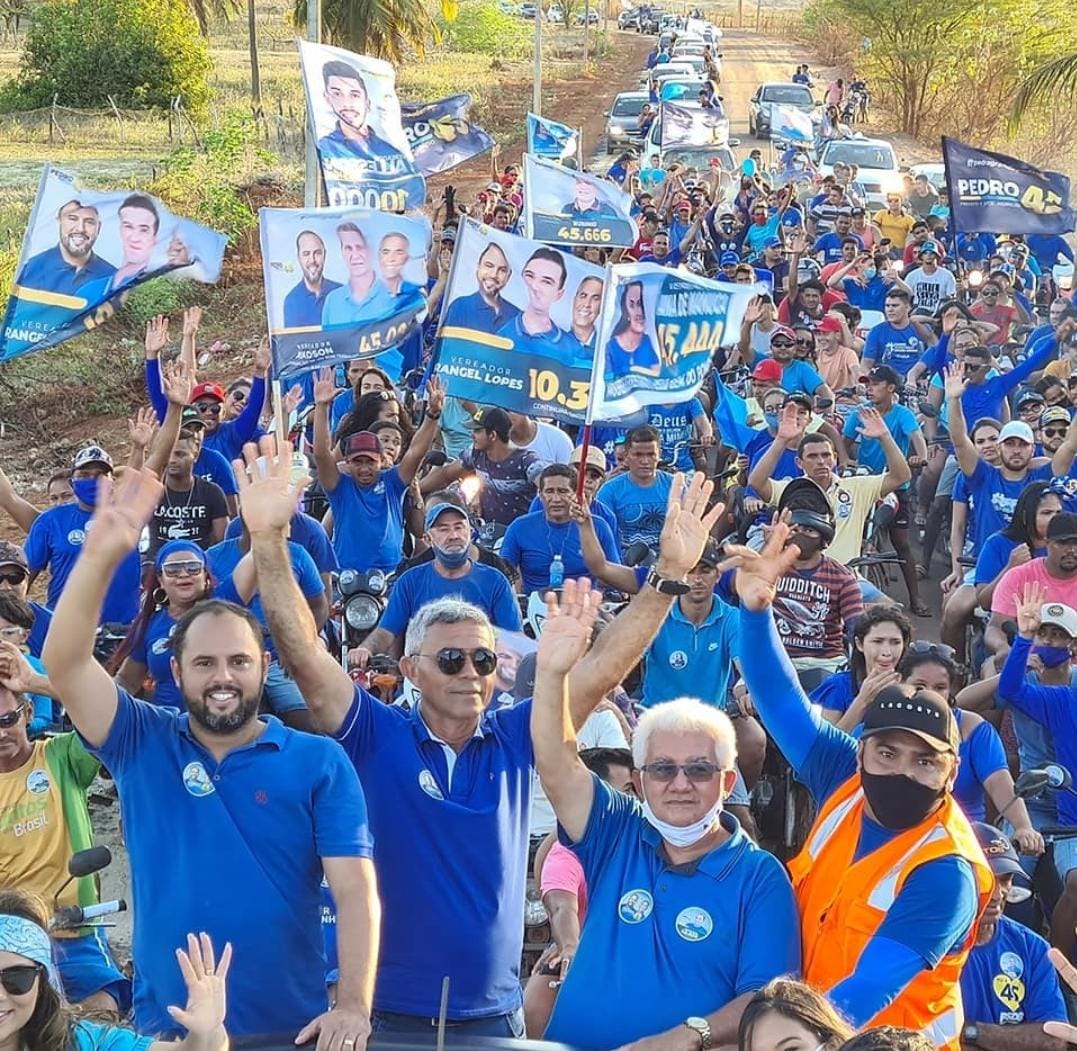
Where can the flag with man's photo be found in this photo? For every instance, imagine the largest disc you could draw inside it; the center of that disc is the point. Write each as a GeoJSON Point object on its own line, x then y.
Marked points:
{"type": "Point", "coordinates": [791, 125]}
{"type": "Point", "coordinates": [84, 250]}
{"type": "Point", "coordinates": [354, 116]}
{"type": "Point", "coordinates": [686, 124]}
{"type": "Point", "coordinates": [441, 134]}
{"type": "Point", "coordinates": [547, 138]}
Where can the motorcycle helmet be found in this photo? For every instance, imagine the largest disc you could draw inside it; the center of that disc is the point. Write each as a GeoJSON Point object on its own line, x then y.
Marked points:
{"type": "Point", "coordinates": [808, 505]}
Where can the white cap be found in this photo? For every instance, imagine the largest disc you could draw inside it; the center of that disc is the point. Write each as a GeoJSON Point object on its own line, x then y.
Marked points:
{"type": "Point", "coordinates": [1063, 616]}
{"type": "Point", "coordinates": [1017, 429]}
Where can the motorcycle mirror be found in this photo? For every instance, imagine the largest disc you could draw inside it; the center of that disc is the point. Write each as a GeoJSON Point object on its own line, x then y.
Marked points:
{"type": "Point", "coordinates": [87, 862]}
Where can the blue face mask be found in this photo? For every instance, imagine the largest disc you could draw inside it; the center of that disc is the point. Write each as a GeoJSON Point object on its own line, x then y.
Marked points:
{"type": "Point", "coordinates": [451, 559]}
{"type": "Point", "coordinates": [85, 490]}
{"type": "Point", "coordinates": [869, 273]}
{"type": "Point", "coordinates": [772, 420]}
{"type": "Point", "coordinates": [1052, 656]}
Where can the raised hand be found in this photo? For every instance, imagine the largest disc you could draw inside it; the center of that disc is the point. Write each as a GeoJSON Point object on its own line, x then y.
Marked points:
{"type": "Point", "coordinates": [268, 496]}
{"type": "Point", "coordinates": [753, 311]}
{"type": "Point", "coordinates": [262, 357]}
{"type": "Point", "coordinates": [758, 572]}
{"type": "Point", "coordinates": [156, 335]}
{"type": "Point", "coordinates": [141, 427]}
{"type": "Point", "coordinates": [205, 980]}
{"type": "Point", "coordinates": [192, 319]}
{"type": "Point", "coordinates": [177, 381]}
{"type": "Point", "coordinates": [292, 400]}
{"type": "Point", "coordinates": [1028, 603]}
{"type": "Point", "coordinates": [122, 513]}
{"type": "Point", "coordinates": [688, 525]}
{"type": "Point", "coordinates": [15, 671]}
{"type": "Point", "coordinates": [790, 430]}
{"type": "Point", "coordinates": [569, 624]}
{"type": "Point", "coordinates": [434, 396]}
{"type": "Point", "coordinates": [955, 382]}
{"type": "Point", "coordinates": [1068, 973]}
{"type": "Point", "coordinates": [872, 424]}
{"type": "Point", "coordinates": [325, 387]}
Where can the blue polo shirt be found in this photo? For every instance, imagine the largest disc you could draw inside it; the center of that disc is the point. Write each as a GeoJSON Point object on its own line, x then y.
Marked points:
{"type": "Point", "coordinates": [640, 510]}
{"type": "Point", "coordinates": [343, 309]}
{"type": "Point", "coordinates": [1010, 980]}
{"type": "Point", "coordinates": [552, 343]}
{"type": "Point", "coordinates": [689, 661]}
{"type": "Point", "coordinates": [484, 586]}
{"type": "Point", "coordinates": [55, 540]}
{"type": "Point", "coordinates": [451, 856]}
{"type": "Point", "coordinates": [368, 521]}
{"type": "Point", "coordinates": [474, 312]}
{"type": "Point", "coordinates": [533, 542]}
{"type": "Point", "coordinates": [239, 857]}
{"type": "Point", "coordinates": [900, 348]}
{"type": "Point", "coordinates": [42, 622]}
{"type": "Point", "coordinates": [307, 532]}
{"type": "Point", "coordinates": [152, 648]}
{"type": "Point", "coordinates": [303, 308]}
{"type": "Point", "coordinates": [213, 467]}
{"type": "Point", "coordinates": [701, 934]}
{"type": "Point", "coordinates": [50, 272]}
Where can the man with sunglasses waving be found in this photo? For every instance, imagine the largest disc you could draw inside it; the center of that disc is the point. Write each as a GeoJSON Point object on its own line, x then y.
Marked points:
{"type": "Point", "coordinates": [15, 579]}
{"type": "Point", "coordinates": [449, 782]}
{"type": "Point", "coordinates": [687, 916]}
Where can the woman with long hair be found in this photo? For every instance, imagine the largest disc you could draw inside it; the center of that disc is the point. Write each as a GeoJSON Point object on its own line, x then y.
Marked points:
{"type": "Point", "coordinates": [369, 409]}
{"type": "Point", "coordinates": [364, 378]}
{"type": "Point", "coordinates": [790, 1016]}
{"type": "Point", "coordinates": [630, 349]}
{"type": "Point", "coordinates": [36, 1017]}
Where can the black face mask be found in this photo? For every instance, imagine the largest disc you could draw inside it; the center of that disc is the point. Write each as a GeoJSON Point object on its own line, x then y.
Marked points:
{"type": "Point", "coordinates": [897, 801]}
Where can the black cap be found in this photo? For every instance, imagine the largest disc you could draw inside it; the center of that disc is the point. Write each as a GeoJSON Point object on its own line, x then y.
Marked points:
{"type": "Point", "coordinates": [190, 419]}
{"type": "Point", "coordinates": [12, 555]}
{"type": "Point", "coordinates": [1063, 526]}
{"type": "Point", "coordinates": [884, 374]}
{"type": "Point", "coordinates": [712, 554]}
{"type": "Point", "coordinates": [798, 397]}
{"type": "Point", "coordinates": [493, 419]}
{"type": "Point", "coordinates": [925, 714]}
{"type": "Point", "coordinates": [804, 493]}
{"type": "Point", "coordinates": [998, 850]}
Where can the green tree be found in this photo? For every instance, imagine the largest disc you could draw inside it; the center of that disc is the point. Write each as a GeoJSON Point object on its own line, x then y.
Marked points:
{"type": "Point", "coordinates": [483, 27]}
{"type": "Point", "coordinates": [1048, 84]}
{"type": "Point", "coordinates": [383, 28]}
{"type": "Point", "coordinates": [142, 53]}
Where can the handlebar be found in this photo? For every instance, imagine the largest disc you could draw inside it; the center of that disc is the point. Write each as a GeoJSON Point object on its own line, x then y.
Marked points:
{"type": "Point", "coordinates": [73, 916]}
{"type": "Point", "coordinates": [881, 558]}
{"type": "Point", "coordinates": [1053, 832]}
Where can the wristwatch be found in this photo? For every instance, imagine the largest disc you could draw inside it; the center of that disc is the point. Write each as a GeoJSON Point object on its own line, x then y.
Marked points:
{"type": "Point", "coordinates": [970, 1034]}
{"type": "Point", "coordinates": [703, 1028]}
{"type": "Point", "coordinates": [665, 586]}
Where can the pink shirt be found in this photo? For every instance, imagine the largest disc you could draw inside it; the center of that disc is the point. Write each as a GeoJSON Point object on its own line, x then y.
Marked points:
{"type": "Point", "coordinates": [1012, 585]}
{"type": "Point", "coordinates": [562, 871]}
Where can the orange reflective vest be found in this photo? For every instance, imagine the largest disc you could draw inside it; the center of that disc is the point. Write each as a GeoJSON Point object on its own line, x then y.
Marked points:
{"type": "Point", "coordinates": [843, 903]}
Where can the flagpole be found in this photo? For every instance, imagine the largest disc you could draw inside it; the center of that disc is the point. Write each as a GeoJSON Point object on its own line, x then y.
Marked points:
{"type": "Point", "coordinates": [536, 89]}
{"type": "Point", "coordinates": [313, 182]}
{"type": "Point", "coordinates": [584, 446]}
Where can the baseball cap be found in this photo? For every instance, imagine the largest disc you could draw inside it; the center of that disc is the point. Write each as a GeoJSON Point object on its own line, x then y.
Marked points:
{"type": "Point", "coordinates": [448, 233]}
{"type": "Point", "coordinates": [1026, 396]}
{"type": "Point", "coordinates": [728, 259]}
{"type": "Point", "coordinates": [712, 553]}
{"type": "Point", "coordinates": [595, 457]}
{"type": "Point", "coordinates": [12, 555]}
{"type": "Point", "coordinates": [492, 419]}
{"type": "Point", "coordinates": [191, 418]}
{"type": "Point", "coordinates": [1062, 527]}
{"type": "Point", "coordinates": [928, 246]}
{"type": "Point", "coordinates": [768, 370]}
{"type": "Point", "coordinates": [829, 323]}
{"type": "Point", "coordinates": [437, 510]}
{"type": "Point", "coordinates": [998, 850]}
{"type": "Point", "coordinates": [799, 397]}
{"type": "Point", "coordinates": [1017, 429]}
{"type": "Point", "coordinates": [772, 242]}
{"type": "Point", "coordinates": [925, 714]}
{"type": "Point", "coordinates": [363, 443]}
{"type": "Point", "coordinates": [207, 390]}
{"type": "Point", "coordinates": [91, 454]}
{"type": "Point", "coordinates": [783, 330]}
{"type": "Point", "coordinates": [884, 374]}
{"type": "Point", "coordinates": [1055, 414]}
{"type": "Point", "coordinates": [651, 216]}
{"type": "Point", "coordinates": [1062, 616]}
{"type": "Point", "coordinates": [857, 211]}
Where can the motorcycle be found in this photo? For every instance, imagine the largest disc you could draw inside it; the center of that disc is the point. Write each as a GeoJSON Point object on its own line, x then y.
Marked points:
{"type": "Point", "coordinates": [363, 597]}
{"type": "Point", "coordinates": [74, 917]}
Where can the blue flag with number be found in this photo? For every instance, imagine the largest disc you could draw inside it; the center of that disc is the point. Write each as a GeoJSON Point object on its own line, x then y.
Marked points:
{"type": "Point", "coordinates": [547, 138]}
{"type": "Point", "coordinates": [441, 135]}
{"type": "Point", "coordinates": [998, 194]}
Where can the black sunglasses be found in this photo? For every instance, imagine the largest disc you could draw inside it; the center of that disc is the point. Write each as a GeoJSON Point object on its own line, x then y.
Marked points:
{"type": "Point", "coordinates": [7, 721]}
{"type": "Point", "coordinates": [699, 772]}
{"type": "Point", "coordinates": [238, 395]}
{"type": "Point", "coordinates": [936, 649]}
{"type": "Point", "coordinates": [14, 577]}
{"type": "Point", "coordinates": [208, 408]}
{"type": "Point", "coordinates": [805, 342]}
{"type": "Point", "coordinates": [19, 980]}
{"type": "Point", "coordinates": [451, 660]}
{"type": "Point", "coordinates": [782, 343]}
{"type": "Point", "coordinates": [1054, 432]}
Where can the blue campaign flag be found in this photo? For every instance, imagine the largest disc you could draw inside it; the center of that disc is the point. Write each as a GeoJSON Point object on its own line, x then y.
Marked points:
{"type": "Point", "coordinates": [791, 124]}
{"type": "Point", "coordinates": [547, 138]}
{"type": "Point", "coordinates": [689, 124]}
{"type": "Point", "coordinates": [340, 283]}
{"type": "Point", "coordinates": [659, 332]}
{"type": "Point", "coordinates": [993, 193]}
{"type": "Point", "coordinates": [441, 135]}
{"type": "Point", "coordinates": [83, 252]}
{"type": "Point", "coordinates": [518, 324]}
{"type": "Point", "coordinates": [566, 207]}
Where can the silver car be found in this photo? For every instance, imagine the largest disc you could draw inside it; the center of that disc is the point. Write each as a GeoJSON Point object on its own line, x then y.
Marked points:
{"type": "Point", "coordinates": [622, 121]}
{"type": "Point", "coordinates": [793, 96]}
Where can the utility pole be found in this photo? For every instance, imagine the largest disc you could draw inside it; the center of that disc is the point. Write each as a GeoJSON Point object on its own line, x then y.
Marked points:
{"type": "Point", "coordinates": [312, 187]}
{"type": "Point", "coordinates": [536, 88]}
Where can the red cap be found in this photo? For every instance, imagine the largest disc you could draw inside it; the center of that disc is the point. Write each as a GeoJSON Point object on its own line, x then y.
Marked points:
{"type": "Point", "coordinates": [783, 330]}
{"type": "Point", "coordinates": [363, 443]}
{"type": "Point", "coordinates": [829, 324]}
{"type": "Point", "coordinates": [207, 390]}
{"type": "Point", "coordinates": [768, 370]}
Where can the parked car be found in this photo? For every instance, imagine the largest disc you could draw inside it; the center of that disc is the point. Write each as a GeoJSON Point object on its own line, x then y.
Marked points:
{"type": "Point", "coordinates": [936, 174]}
{"type": "Point", "coordinates": [623, 118]}
{"type": "Point", "coordinates": [879, 172]}
{"type": "Point", "coordinates": [527, 10]}
{"type": "Point", "coordinates": [628, 20]}
{"type": "Point", "coordinates": [555, 14]}
{"type": "Point", "coordinates": [590, 17]}
{"type": "Point", "coordinates": [795, 96]}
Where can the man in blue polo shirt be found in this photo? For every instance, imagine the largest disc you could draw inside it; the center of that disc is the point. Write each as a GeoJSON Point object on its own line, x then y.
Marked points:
{"type": "Point", "coordinates": [57, 539]}
{"type": "Point", "coordinates": [486, 310]}
{"type": "Point", "coordinates": [364, 297]}
{"type": "Point", "coordinates": [449, 782]}
{"type": "Point", "coordinates": [895, 342]}
{"type": "Point", "coordinates": [71, 264]}
{"type": "Point", "coordinates": [534, 331]}
{"type": "Point", "coordinates": [867, 281]}
{"type": "Point", "coordinates": [1008, 986]}
{"type": "Point", "coordinates": [686, 916]}
{"type": "Point", "coordinates": [256, 812]}
{"type": "Point", "coordinates": [303, 305]}
{"type": "Point", "coordinates": [638, 497]}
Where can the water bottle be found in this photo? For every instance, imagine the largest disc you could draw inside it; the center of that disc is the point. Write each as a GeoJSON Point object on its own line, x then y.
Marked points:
{"type": "Point", "coordinates": [557, 572]}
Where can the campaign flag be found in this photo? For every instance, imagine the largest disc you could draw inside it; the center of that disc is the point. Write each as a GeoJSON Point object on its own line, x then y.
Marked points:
{"type": "Point", "coordinates": [659, 331]}
{"type": "Point", "coordinates": [518, 324]}
{"type": "Point", "coordinates": [1000, 194]}
{"type": "Point", "coordinates": [83, 252]}
{"type": "Point", "coordinates": [547, 138]}
{"type": "Point", "coordinates": [440, 134]}
{"type": "Point", "coordinates": [354, 115]}
{"type": "Point", "coordinates": [567, 207]}
{"type": "Point", "coordinates": [340, 283]}
{"type": "Point", "coordinates": [685, 124]}
{"type": "Point", "coordinates": [792, 125]}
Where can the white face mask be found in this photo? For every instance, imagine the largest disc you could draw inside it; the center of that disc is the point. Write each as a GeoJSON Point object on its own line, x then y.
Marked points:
{"type": "Point", "coordinates": [683, 835]}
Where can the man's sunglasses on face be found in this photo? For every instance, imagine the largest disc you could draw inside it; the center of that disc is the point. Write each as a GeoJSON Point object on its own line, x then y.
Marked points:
{"type": "Point", "coordinates": [7, 721]}
{"type": "Point", "coordinates": [208, 408]}
{"type": "Point", "coordinates": [13, 577]}
{"type": "Point", "coordinates": [451, 659]}
{"type": "Point", "coordinates": [238, 395]}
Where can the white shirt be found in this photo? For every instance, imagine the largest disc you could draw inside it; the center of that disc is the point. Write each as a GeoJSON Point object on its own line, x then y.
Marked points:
{"type": "Point", "coordinates": [549, 445]}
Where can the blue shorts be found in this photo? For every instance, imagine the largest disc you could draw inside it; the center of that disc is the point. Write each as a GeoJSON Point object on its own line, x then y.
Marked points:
{"type": "Point", "coordinates": [1065, 852]}
{"type": "Point", "coordinates": [280, 691]}
{"type": "Point", "coordinates": [87, 967]}
{"type": "Point", "coordinates": [870, 593]}
{"type": "Point", "coordinates": [739, 796]}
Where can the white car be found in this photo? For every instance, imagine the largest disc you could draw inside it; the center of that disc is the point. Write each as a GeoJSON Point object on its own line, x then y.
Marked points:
{"type": "Point", "coordinates": [936, 174]}
{"type": "Point", "coordinates": [879, 173]}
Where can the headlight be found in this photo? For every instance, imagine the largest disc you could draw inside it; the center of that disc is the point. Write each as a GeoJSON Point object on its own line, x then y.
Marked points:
{"type": "Point", "coordinates": [975, 278]}
{"type": "Point", "coordinates": [375, 581]}
{"type": "Point", "coordinates": [616, 131]}
{"type": "Point", "coordinates": [362, 613]}
{"type": "Point", "coordinates": [347, 580]}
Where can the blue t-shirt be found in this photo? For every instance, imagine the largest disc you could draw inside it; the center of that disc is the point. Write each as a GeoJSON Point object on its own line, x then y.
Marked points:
{"type": "Point", "coordinates": [55, 540]}
{"type": "Point", "coordinates": [35, 641]}
{"type": "Point", "coordinates": [249, 832]}
{"type": "Point", "coordinates": [1010, 980]}
{"type": "Point", "coordinates": [307, 532]}
{"type": "Point", "coordinates": [902, 425]}
{"type": "Point", "coordinates": [451, 856]}
{"type": "Point", "coordinates": [994, 498]}
{"type": "Point", "coordinates": [981, 755]}
{"type": "Point", "coordinates": [94, 1036]}
{"type": "Point", "coordinates": [995, 555]}
{"type": "Point", "coordinates": [689, 661]}
{"type": "Point", "coordinates": [213, 467]}
{"type": "Point", "coordinates": [533, 543]}
{"type": "Point", "coordinates": [486, 587]}
{"type": "Point", "coordinates": [368, 521]}
{"type": "Point", "coordinates": [900, 348]}
{"type": "Point", "coordinates": [709, 932]}
{"type": "Point", "coordinates": [800, 376]}
{"type": "Point", "coordinates": [640, 510]}
{"type": "Point", "coordinates": [598, 510]}
{"type": "Point", "coordinates": [830, 245]}
{"type": "Point", "coordinates": [835, 693]}
{"type": "Point", "coordinates": [871, 296]}
{"type": "Point", "coordinates": [152, 649]}
{"type": "Point", "coordinates": [674, 424]}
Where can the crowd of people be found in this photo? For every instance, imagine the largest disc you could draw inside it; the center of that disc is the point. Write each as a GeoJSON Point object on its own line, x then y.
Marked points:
{"type": "Point", "coordinates": [705, 628]}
